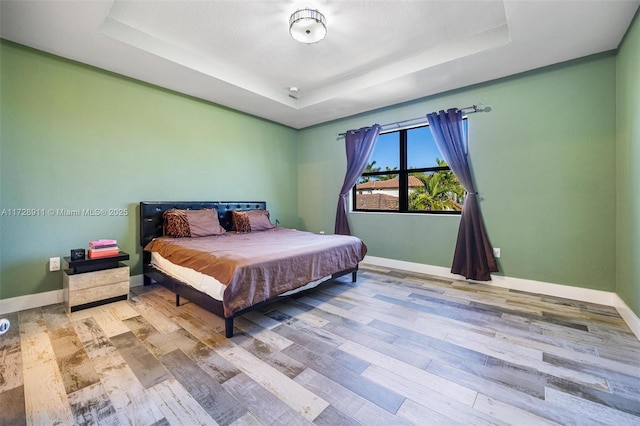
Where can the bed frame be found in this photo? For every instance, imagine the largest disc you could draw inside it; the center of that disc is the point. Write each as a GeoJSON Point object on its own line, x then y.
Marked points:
{"type": "Point", "coordinates": [151, 227]}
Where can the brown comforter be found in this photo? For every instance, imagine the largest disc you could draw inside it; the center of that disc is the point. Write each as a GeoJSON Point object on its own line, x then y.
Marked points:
{"type": "Point", "coordinates": [259, 265]}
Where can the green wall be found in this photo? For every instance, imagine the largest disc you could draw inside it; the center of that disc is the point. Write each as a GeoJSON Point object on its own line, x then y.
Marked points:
{"type": "Point", "coordinates": [544, 159]}
{"type": "Point", "coordinates": [628, 168]}
{"type": "Point", "coordinates": [74, 137]}
{"type": "Point", "coordinates": [544, 163]}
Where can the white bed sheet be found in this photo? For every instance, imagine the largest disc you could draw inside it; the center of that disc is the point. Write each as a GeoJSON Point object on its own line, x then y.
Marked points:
{"type": "Point", "coordinates": [195, 279]}
{"type": "Point", "coordinates": [205, 283]}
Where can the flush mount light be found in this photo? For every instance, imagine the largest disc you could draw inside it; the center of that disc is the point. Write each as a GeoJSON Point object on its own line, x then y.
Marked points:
{"type": "Point", "coordinates": [307, 25]}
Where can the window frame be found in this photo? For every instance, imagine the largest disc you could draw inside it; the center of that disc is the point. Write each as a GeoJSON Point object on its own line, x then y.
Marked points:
{"type": "Point", "coordinates": [403, 180]}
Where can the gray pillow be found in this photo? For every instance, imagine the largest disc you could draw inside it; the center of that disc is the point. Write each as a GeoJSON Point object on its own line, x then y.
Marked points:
{"type": "Point", "coordinates": [203, 223]}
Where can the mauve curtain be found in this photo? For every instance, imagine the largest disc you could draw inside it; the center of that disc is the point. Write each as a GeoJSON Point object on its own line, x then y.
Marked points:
{"type": "Point", "coordinates": [473, 257]}
{"type": "Point", "coordinates": [359, 145]}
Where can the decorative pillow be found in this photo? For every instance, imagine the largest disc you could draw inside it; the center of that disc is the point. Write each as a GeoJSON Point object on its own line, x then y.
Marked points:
{"type": "Point", "coordinates": [176, 224]}
{"type": "Point", "coordinates": [241, 221]}
{"type": "Point", "coordinates": [203, 223]}
{"type": "Point", "coordinates": [259, 220]}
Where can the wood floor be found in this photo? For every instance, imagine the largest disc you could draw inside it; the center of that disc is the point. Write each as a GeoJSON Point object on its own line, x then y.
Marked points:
{"type": "Point", "coordinates": [393, 348]}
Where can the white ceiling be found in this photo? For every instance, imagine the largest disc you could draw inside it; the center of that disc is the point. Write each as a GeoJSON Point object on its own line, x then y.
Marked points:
{"type": "Point", "coordinates": [376, 53]}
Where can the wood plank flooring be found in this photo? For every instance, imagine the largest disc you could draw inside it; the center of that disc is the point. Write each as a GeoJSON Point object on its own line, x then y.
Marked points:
{"type": "Point", "coordinates": [394, 348]}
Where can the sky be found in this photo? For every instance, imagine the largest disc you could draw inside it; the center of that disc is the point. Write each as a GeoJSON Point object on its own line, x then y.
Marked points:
{"type": "Point", "coordinates": [422, 150]}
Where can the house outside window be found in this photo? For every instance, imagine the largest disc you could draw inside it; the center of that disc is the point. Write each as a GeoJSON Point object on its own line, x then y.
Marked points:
{"type": "Point", "coordinates": [406, 174]}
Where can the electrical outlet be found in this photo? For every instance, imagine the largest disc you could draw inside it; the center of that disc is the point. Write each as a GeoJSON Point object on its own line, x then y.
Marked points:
{"type": "Point", "coordinates": [496, 252]}
{"type": "Point", "coordinates": [4, 325]}
{"type": "Point", "coordinates": [54, 264]}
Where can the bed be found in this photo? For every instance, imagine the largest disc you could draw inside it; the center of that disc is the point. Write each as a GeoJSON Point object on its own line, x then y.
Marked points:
{"type": "Point", "coordinates": [231, 273]}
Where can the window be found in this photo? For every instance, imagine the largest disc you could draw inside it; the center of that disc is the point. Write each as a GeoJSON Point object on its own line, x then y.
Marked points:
{"type": "Point", "coordinates": [406, 174]}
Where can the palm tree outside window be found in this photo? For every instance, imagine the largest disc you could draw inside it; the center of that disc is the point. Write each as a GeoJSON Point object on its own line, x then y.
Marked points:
{"type": "Point", "coordinates": [406, 174]}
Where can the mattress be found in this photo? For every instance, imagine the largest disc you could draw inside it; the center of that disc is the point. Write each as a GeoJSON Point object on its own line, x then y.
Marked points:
{"type": "Point", "coordinates": [195, 279]}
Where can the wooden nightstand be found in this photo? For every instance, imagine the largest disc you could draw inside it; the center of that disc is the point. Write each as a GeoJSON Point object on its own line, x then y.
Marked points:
{"type": "Point", "coordinates": [92, 282]}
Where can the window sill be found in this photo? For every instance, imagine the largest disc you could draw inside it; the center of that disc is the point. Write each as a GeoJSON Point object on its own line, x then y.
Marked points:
{"type": "Point", "coordinates": [356, 212]}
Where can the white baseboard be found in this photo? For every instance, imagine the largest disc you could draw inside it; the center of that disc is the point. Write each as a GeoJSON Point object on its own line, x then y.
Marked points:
{"type": "Point", "coordinates": [607, 298]}
{"type": "Point", "coordinates": [628, 315]}
{"type": "Point", "coordinates": [30, 301]}
{"type": "Point", "coordinates": [136, 280]}
{"type": "Point", "coordinates": [37, 300]}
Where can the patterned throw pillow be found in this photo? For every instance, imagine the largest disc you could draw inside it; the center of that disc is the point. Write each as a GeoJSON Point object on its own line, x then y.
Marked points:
{"type": "Point", "coordinates": [176, 224]}
{"type": "Point", "coordinates": [241, 221]}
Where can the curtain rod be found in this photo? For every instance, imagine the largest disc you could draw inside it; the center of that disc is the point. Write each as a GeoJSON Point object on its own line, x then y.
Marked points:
{"type": "Point", "coordinates": [473, 108]}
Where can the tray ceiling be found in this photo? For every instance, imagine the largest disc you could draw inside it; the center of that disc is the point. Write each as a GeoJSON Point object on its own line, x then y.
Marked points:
{"type": "Point", "coordinates": [376, 53]}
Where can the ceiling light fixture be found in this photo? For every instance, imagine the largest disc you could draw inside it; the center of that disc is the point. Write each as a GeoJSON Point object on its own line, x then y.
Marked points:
{"type": "Point", "coordinates": [307, 25]}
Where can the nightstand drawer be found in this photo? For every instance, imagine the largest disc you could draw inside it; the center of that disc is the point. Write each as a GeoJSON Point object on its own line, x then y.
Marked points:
{"type": "Point", "coordinates": [98, 278]}
{"type": "Point", "coordinates": [95, 294]}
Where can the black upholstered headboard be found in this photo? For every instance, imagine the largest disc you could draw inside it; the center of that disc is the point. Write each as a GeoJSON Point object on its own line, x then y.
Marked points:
{"type": "Point", "coordinates": [151, 213]}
